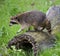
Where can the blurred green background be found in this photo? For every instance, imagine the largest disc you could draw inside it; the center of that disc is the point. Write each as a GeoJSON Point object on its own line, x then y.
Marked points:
{"type": "Point", "coordinates": [9, 8]}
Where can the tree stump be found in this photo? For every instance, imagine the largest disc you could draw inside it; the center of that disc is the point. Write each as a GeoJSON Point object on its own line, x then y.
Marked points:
{"type": "Point", "coordinates": [53, 14]}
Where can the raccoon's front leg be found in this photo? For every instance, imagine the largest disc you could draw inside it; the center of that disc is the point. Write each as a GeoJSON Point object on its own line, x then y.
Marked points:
{"type": "Point", "coordinates": [19, 30]}
{"type": "Point", "coordinates": [23, 27]}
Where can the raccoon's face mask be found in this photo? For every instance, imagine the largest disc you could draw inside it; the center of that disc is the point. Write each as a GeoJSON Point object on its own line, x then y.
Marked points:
{"type": "Point", "coordinates": [13, 22]}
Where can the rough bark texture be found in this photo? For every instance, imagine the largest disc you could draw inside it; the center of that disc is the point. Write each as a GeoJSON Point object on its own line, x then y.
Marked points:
{"type": "Point", "coordinates": [53, 14]}
{"type": "Point", "coordinates": [33, 40]}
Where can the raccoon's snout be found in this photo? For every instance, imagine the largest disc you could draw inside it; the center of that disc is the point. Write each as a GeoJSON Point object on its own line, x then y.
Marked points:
{"type": "Point", "coordinates": [12, 22]}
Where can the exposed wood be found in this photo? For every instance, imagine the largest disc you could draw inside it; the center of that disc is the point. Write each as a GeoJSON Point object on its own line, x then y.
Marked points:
{"type": "Point", "coordinates": [33, 40]}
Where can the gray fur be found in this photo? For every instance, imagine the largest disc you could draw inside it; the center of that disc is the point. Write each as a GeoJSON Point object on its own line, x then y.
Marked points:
{"type": "Point", "coordinates": [37, 19]}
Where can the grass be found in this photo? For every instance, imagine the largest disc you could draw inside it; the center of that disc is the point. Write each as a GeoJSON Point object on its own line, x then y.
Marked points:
{"type": "Point", "coordinates": [10, 8]}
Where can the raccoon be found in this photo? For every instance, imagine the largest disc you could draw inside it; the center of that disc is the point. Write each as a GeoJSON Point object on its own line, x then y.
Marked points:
{"type": "Point", "coordinates": [37, 19]}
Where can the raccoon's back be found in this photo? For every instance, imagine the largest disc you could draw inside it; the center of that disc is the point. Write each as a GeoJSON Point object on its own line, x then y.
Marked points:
{"type": "Point", "coordinates": [32, 16]}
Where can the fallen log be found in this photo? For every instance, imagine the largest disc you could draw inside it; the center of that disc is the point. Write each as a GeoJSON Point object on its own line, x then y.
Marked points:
{"type": "Point", "coordinates": [33, 40]}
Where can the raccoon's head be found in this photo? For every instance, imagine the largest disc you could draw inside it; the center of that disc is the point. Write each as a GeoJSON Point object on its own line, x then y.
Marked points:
{"type": "Point", "coordinates": [13, 21]}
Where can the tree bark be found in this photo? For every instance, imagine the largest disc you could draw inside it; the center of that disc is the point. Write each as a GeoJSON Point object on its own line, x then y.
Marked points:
{"type": "Point", "coordinates": [33, 40]}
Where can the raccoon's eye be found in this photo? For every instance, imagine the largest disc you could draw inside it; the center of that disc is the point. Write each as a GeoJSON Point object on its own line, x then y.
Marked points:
{"type": "Point", "coordinates": [17, 19]}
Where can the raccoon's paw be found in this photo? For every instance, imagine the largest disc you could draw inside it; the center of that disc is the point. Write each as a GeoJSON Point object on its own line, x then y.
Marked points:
{"type": "Point", "coordinates": [19, 31]}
